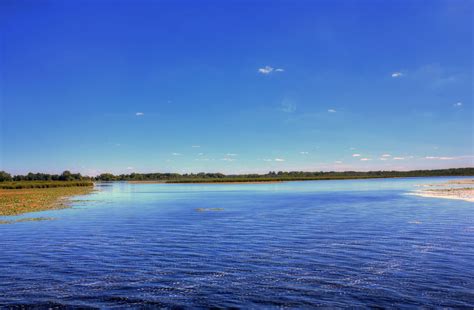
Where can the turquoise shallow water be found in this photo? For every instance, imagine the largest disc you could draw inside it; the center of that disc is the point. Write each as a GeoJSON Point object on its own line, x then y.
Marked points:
{"type": "Point", "coordinates": [296, 244]}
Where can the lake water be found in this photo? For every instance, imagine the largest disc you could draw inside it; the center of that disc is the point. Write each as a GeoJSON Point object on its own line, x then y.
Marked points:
{"type": "Point", "coordinates": [295, 244]}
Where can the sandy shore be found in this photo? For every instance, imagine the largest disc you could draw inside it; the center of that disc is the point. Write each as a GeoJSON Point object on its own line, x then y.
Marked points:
{"type": "Point", "coordinates": [456, 189]}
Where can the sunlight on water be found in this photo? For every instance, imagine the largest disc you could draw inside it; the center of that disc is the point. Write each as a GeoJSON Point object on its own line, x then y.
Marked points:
{"type": "Point", "coordinates": [295, 244]}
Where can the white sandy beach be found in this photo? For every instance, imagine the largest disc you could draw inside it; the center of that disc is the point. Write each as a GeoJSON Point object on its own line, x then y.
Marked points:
{"type": "Point", "coordinates": [456, 189]}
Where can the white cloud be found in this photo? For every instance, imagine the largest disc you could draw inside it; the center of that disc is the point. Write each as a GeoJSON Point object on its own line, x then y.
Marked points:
{"type": "Point", "coordinates": [231, 154]}
{"type": "Point", "coordinates": [458, 104]}
{"type": "Point", "coordinates": [200, 154]}
{"type": "Point", "coordinates": [398, 158]}
{"type": "Point", "coordinates": [276, 159]}
{"type": "Point", "coordinates": [195, 146]}
{"type": "Point", "coordinates": [267, 70]}
{"type": "Point", "coordinates": [139, 114]}
{"type": "Point", "coordinates": [338, 162]}
{"type": "Point", "coordinates": [176, 154]}
{"type": "Point", "coordinates": [355, 155]}
{"type": "Point", "coordinates": [352, 148]}
{"type": "Point", "coordinates": [386, 155]}
{"type": "Point", "coordinates": [383, 158]}
{"type": "Point", "coordinates": [332, 111]}
{"type": "Point", "coordinates": [397, 74]}
{"type": "Point", "coordinates": [304, 153]}
{"type": "Point", "coordinates": [441, 157]}
{"type": "Point", "coordinates": [130, 168]}
{"type": "Point", "coordinates": [365, 159]}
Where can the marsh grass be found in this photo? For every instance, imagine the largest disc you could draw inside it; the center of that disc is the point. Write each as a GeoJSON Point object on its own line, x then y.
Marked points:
{"type": "Point", "coordinates": [44, 184]}
{"type": "Point", "coordinates": [19, 201]}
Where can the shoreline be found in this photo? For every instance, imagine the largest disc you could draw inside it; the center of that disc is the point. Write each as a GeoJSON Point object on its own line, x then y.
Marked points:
{"type": "Point", "coordinates": [442, 196]}
{"type": "Point", "coordinates": [223, 182]}
{"type": "Point", "coordinates": [15, 202]}
{"type": "Point", "coordinates": [448, 190]}
{"type": "Point", "coordinates": [290, 180]}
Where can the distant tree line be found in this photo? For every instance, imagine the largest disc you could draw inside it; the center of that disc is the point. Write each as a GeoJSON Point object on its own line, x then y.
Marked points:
{"type": "Point", "coordinates": [65, 176]}
{"type": "Point", "coordinates": [280, 175]}
{"type": "Point", "coordinates": [160, 176]}
{"type": "Point", "coordinates": [219, 177]}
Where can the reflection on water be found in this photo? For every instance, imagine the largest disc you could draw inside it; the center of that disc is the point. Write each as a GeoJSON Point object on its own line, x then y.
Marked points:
{"type": "Point", "coordinates": [300, 244]}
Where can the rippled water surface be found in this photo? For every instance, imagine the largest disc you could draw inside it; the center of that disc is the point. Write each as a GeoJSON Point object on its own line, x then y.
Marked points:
{"type": "Point", "coordinates": [297, 244]}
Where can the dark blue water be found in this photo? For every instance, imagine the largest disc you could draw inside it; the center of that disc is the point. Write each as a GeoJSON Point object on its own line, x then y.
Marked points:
{"type": "Point", "coordinates": [301, 244]}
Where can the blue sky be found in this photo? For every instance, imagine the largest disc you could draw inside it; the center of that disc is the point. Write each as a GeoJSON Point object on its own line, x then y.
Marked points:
{"type": "Point", "coordinates": [235, 86]}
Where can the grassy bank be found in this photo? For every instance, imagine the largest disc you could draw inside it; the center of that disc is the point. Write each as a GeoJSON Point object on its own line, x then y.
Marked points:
{"type": "Point", "coordinates": [44, 184]}
{"type": "Point", "coordinates": [30, 199]}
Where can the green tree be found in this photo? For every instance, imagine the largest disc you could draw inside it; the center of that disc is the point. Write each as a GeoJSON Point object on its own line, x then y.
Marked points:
{"type": "Point", "coordinates": [66, 176]}
{"type": "Point", "coordinates": [106, 177]}
{"type": "Point", "coordinates": [5, 176]}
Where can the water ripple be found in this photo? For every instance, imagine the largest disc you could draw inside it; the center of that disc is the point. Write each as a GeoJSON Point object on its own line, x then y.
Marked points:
{"type": "Point", "coordinates": [309, 244]}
